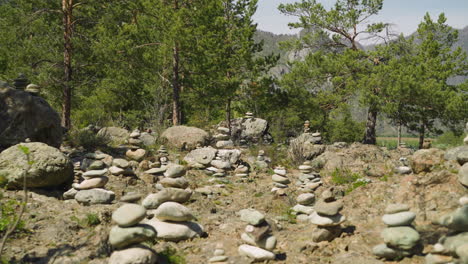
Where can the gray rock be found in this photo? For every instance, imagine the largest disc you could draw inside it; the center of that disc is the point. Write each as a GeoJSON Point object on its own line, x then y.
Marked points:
{"type": "Point", "coordinates": [23, 116]}
{"type": "Point", "coordinates": [131, 197]}
{"type": "Point", "coordinates": [303, 209]}
{"type": "Point", "coordinates": [116, 134]}
{"type": "Point", "coordinates": [114, 170]}
{"type": "Point", "coordinates": [438, 259]}
{"type": "Point", "coordinates": [305, 199]}
{"type": "Point", "coordinates": [231, 155]}
{"type": "Point", "coordinates": [221, 164]}
{"type": "Point", "coordinates": [70, 194]}
{"type": "Point", "coordinates": [462, 156]}
{"type": "Point", "coordinates": [267, 242]}
{"type": "Point", "coordinates": [95, 196]}
{"type": "Point", "coordinates": [96, 165]}
{"type": "Point", "coordinates": [452, 153]}
{"type": "Point", "coordinates": [280, 179]}
{"type": "Point", "coordinates": [121, 237]}
{"type": "Point", "coordinates": [252, 216]}
{"type": "Point", "coordinates": [129, 215]}
{"type": "Point", "coordinates": [325, 221]}
{"type": "Point", "coordinates": [462, 175]}
{"type": "Point", "coordinates": [403, 170]}
{"type": "Point", "coordinates": [201, 156]}
{"type": "Point", "coordinates": [256, 253]}
{"type": "Point", "coordinates": [176, 231]}
{"type": "Point", "coordinates": [457, 220]}
{"type": "Point", "coordinates": [95, 173]}
{"type": "Point", "coordinates": [152, 201]}
{"type": "Point", "coordinates": [134, 255]}
{"type": "Point", "coordinates": [174, 171]}
{"type": "Point", "coordinates": [156, 171]}
{"type": "Point", "coordinates": [184, 137]}
{"type": "Point", "coordinates": [399, 219]}
{"type": "Point", "coordinates": [171, 211]}
{"type": "Point", "coordinates": [462, 252]}
{"type": "Point", "coordinates": [325, 234]}
{"type": "Point", "coordinates": [383, 251]}
{"type": "Point", "coordinates": [180, 183]}
{"type": "Point", "coordinates": [396, 208]}
{"type": "Point", "coordinates": [147, 139]}
{"type": "Point", "coordinates": [50, 168]}
{"type": "Point", "coordinates": [218, 259]}
{"type": "Point", "coordinates": [137, 155]}
{"type": "Point", "coordinates": [328, 209]}
{"type": "Point", "coordinates": [451, 243]}
{"type": "Point", "coordinates": [121, 163]}
{"type": "Point", "coordinates": [402, 237]}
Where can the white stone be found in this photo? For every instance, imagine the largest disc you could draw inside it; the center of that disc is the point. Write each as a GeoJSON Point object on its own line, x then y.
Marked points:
{"type": "Point", "coordinates": [281, 172]}
{"type": "Point", "coordinates": [306, 198]}
{"type": "Point", "coordinates": [303, 209]}
{"type": "Point", "coordinates": [134, 255]}
{"type": "Point", "coordinates": [255, 253]}
{"type": "Point", "coordinates": [171, 211]}
{"type": "Point", "coordinates": [95, 173]}
{"type": "Point", "coordinates": [463, 200]}
{"type": "Point", "coordinates": [399, 219]}
{"type": "Point", "coordinates": [175, 231]}
{"type": "Point", "coordinates": [129, 215]}
{"type": "Point", "coordinates": [114, 170]}
{"type": "Point", "coordinates": [280, 179]}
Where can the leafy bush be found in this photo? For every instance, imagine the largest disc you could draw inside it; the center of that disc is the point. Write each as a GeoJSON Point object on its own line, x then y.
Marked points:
{"type": "Point", "coordinates": [87, 139]}
{"type": "Point", "coordinates": [8, 214]}
{"type": "Point", "coordinates": [342, 128]}
{"type": "Point", "coordinates": [344, 176]}
{"type": "Point", "coordinates": [170, 254]}
{"type": "Point", "coordinates": [448, 140]}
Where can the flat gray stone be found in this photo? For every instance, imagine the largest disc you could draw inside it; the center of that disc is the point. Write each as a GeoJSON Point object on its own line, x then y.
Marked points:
{"type": "Point", "coordinates": [171, 211]}
{"type": "Point", "coordinates": [399, 219]}
{"type": "Point", "coordinates": [256, 253]}
{"type": "Point", "coordinates": [251, 216]}
{"type": "Point", "coordinates": [402, 237]}
{"type": "Point", "coordinates": [121, 237]}
{"type": "Point", "coordinates": [152, 201]}
{"type": "Point", "coordinates": [95, 196]}
{"type": "Point", "coordinates": [129, 215]}
{"type": "Point", "coordinates": [396, 208]}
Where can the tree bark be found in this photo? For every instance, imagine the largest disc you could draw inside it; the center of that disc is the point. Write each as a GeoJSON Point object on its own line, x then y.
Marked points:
{"type": "Point", "coordinates": [175, 88]}
{"type": "Point", "coordinates": [228, 114]}
{"type": "Point", "coordinates": [422, 131]}
{"type": "Point", "coordinates": [370, 135]}
{"type": "Point", "coordinates": [399, 134]}
{"type": "Point", "coordinates": [67, 8]}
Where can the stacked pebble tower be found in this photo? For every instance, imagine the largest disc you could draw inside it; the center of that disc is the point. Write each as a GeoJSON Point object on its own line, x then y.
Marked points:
{"type": "Point", "coordinates": [223, 138]}
{"type": "Point", "coordinates": [454, 245]}
{"type": "Point", "coordinates": [280, 179]}
{"type": "Point", "coordinates": [327, 217]}
{"type": "Point", "coordinates": [90, 180]}
{"type": "Point", "coordinates": [126, 236]}
{"type": "Point", "coordinates": [135, 152]}
{"type": "Point", "coordinates": [400, 237]}
{"type": "Point", "coordinates": [307, 183]}
{"type": "Point", "coordinates": [171, 219]}
{"type": "Point", "coordinates": [258, 238]}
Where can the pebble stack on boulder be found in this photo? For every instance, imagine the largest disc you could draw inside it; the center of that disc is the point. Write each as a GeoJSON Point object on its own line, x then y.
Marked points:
{"type": "Point", "coordinates": [134, 138]}
{"type": "Point", "coordinates": [242, 171]}
{"type": "Point", "coordinates": [172, 220]}
{"type": "Point", "coordinates": [93, 172]}
{"type": "Point", "coordinates": [121, 167]}
{"type": "Point", "coordinates": [127, 235]}
{"type": "Point", "coordinates": [403, 167]}
{"type": "Point", "coordinates": [456, 243]}
{"type": "Point", "coordinates": [257, 235]}
{"type": "Point", "coordinates": [327, 217]}
{"type": "Point", "coordinates": [400, 237]}
{"type": "Point", "coordinates": [307, 183]}
{"type": "Point", "coordinates": [280, 179]}
{"type": "Point", "coordinates": [135, 152]}
{"type": "Point", "coordinates": [223, 138]}
{"type": "Point", "coordinates": [159, 167]}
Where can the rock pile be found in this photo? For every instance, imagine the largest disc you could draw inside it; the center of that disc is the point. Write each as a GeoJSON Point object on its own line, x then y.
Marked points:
{"type": "Point", "coordinates": [307, 183]}
{"type": "Point", "coordinates": [456, 243]}
{"type": "Point", "coordinates": [262, 161]}
{"type": "Point", "coordinates": [280, 179]}
{"type": "Point", "coordinates": [327, 217]}
{"type": "Point", "coordinates": [90, 180]}
{"type": "Point", "coordinates": [400, 238]}
{"type": "Point", "coordinates": [223, 138]}
{"type": "Point", "coordinates": [171, 219]}
{"type": "Point", "coordinates": [127, 235]}
{"type": "Point", "coordinates": [257, 235]}
{"type": "Point", "coordinates": [134, 138]}
{"type": "Point", "coordinates": [219, 255]}
{"type": "Point", "coordinates": [121, 167]}
{"type": "Point", "coordinates": [403, 167]}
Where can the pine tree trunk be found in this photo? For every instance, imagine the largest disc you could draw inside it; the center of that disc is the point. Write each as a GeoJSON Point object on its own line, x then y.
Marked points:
{"type": "Point", "coordinates": [370, 136]}
{"type": "Point", "coordinates": [67, 7]}
{"type": "Point", "coordinates": [175, 88]}
{"type": "Point", "coordinates": [399, 134]}
{"type": "Point", "coordinates": [422, 131]}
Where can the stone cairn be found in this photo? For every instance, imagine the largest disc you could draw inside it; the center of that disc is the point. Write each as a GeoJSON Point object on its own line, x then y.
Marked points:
{"type": "Point", "coordinates": [223, 138]}
{"type": "Point", "coordinates": [135, 152]}
{"type": "Point", "coordinates": [126, 236]}
{"type": "Point", "coordinates": [455, 244]}
{"type": "Point", "coordinates": [90, 180]}
{"type": "Point", "coordinates": [33, 89]}
{"type": "Point", "coordinates": [327, 217]}
{"type": "Point", "coordinates": [170, 218]}
{"type": "Point", "coordinates": [257, 235]}
{"type": "Point", "coordinates": [262, 161]}
{"type": "Point", "coordinates": [20, 82]}
{"type": "Point", "coordinates": [400, 238]}
{"type": "Point", "coordinates": [307, 183]}
{"type": "Point", "coordinates": [219, 254]}
{"type": "Point", "coordinates": [280, 180]}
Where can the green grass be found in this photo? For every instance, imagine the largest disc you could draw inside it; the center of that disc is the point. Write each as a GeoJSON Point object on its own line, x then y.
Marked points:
{"type": "Point", "coordinates": [392, 142]}
{"type": "Point", "coordinates": [172, 257]}
{"type": "Point", "coordinates": [348, 178]}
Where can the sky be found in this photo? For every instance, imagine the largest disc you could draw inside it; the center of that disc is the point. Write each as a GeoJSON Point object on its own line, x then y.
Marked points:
{"type": "Point", "coordinates": [405, 15]}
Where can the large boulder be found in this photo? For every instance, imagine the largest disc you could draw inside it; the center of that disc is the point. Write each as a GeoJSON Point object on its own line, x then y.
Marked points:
{"type": "Point", "coordinates": [459, 154]}
{"type": "Point", "coordinates": [184, 137]}
{"type": "Point", "coordinates": [251, 130]}
{"type": "Point", "coordinates": [50, 167]}
{"type": "Point", "coordinates": [201, 156]}
{"type": "Point", "coordinates": [425, 160]}
{"type": "Point", "coordinates": [303, 148]}
{"type": "Point", "coordinates": [116, 134]}
{"type": "Point", "coordinates": [23, 115]}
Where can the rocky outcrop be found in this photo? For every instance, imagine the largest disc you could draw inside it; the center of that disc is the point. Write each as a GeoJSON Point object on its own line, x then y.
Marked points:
{"type": "Point", "coordinates": [23, 115]}
{"type": "Point", "coordinates": [116, 134]}
{"type": "Point", "coordinates": [250, 130]}
{"type": "Point", "coordinates": [50, 167]}
{"type": "Point", "coordinates": [184, 137]}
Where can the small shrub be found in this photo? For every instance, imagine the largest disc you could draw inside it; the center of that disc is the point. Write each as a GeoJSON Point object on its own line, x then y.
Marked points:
{"type": "Point", "coordinates": [92, 219]}
{"type": "Point", "coordinates": [170, 254]}
{"type": "Point", "coordinates": [8, 214]}
{"type": "Point", "coordinates": [344, 176]}
{"type": "Point", "coordinates": [448, 140]}
{"type": "Point", "coordinates": [87, 139]}
{"type": "Point", "coordinates": [358, 183]}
